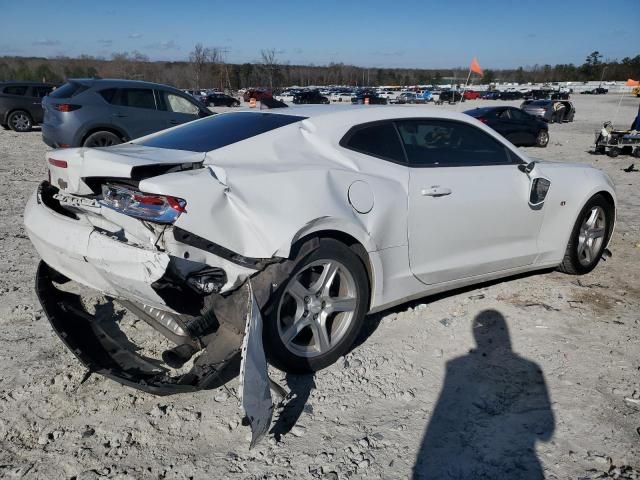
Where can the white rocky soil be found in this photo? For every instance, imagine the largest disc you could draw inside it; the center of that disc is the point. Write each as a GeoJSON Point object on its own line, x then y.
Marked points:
{"type": "Point", "coordinates": [365, 416]}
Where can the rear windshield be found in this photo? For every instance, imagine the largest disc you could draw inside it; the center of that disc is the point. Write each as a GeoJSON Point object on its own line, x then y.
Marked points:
{"type": "Point", "coordinates": [480, 112]}
{"type": "Point", "coordinates": [219, 131]}
{"type": "Point", "coordinates": [68, 90]}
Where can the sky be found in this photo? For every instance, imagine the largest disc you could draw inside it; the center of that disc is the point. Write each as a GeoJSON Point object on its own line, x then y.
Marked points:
{"type": "Point", "coordinates": [417, 34]}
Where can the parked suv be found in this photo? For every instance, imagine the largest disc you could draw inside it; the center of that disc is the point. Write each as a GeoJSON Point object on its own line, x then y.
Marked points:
{"type": "Point", "coordinates": [100, 113]}
{"type": "Point", "coordinates": [20, 104]}
{"type": "Point", "coordinates": [310, 96]}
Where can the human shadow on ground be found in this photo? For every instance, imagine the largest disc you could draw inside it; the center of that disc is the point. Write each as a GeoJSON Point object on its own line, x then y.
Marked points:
{"type": "Point", "coordinates": [493, 408]}
{"type": "Point", "coordinates": [300, 387]}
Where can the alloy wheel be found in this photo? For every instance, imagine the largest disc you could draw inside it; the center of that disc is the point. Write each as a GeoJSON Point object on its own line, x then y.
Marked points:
{"type": "Point", "coordinates": [317, 308]}
{"type": "Point", "coordinates": [591, 236]}
{"type": "Point", "coordinates": [20, 122]}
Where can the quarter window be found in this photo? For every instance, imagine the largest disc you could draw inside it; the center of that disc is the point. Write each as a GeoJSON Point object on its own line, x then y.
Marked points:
{"type": "Point", "coordinates": [432, 143]}
{"type": "Point", "coordinates": [380, 140]}
{"type": "Point", "coordinates": [178, 104]}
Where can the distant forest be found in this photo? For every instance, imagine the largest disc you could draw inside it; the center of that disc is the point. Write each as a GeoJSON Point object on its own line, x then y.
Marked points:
{"type": "Point", "coordinates": [206, 69]}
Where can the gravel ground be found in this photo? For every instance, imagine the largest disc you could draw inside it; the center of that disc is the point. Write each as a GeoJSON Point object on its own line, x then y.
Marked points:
{"type": "Point", "coordinates": [416, 372]}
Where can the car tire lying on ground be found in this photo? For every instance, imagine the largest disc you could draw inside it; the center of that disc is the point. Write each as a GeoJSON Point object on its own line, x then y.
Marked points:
{"type": "Point", "coordinates": [316, 315]}
{"type": "Point", "coordinates": [542, 139]}
{"type": "Point", "coordinates": [20, 121]}
{"type": "Point", "coordinates": [589, 237]}
{"type": "Point", "coordinates": [102, 138]}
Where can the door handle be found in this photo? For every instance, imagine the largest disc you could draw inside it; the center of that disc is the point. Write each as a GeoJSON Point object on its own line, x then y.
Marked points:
{"type": "Point", "coordinates": [174, 122]}
{"type": "Point", "coordinates": [435, 191]}
{"type": "Point", "coordinates": [119, 115]}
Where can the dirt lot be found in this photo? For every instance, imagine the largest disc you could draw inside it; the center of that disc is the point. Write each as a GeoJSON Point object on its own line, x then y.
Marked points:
{"type": "Point", "coordinates": [367, 415]}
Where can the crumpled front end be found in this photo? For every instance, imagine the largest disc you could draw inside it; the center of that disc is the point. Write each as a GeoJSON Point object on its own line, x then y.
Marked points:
{"type": "Point", "coordinates": [195, 294]}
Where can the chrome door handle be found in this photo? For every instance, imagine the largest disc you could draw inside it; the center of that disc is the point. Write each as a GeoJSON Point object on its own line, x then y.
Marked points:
{"type": "Point", "coordinates": [435, 191]}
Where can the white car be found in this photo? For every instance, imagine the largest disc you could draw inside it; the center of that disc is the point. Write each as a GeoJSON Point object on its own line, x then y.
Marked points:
{"type": "Point", "coordinates": [310, 216]}
{"type": "Point", "coordinates": [342, 97]}
{"type": "Point", "coordinates": [286, 96]}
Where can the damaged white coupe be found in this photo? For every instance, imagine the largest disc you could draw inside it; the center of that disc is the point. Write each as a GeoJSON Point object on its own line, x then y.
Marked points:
{"type": "Point", "coordinates": [271, 235]}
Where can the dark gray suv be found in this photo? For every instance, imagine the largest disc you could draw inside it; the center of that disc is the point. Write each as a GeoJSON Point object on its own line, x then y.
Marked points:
{"type": "Point", "coordinates": [20, 104]}
{"type": "Point", "coordinates": [100, 113]}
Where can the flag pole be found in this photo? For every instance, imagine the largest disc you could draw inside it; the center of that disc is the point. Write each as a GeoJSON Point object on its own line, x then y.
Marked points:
{"type": "Point", "coordinates": [613, 122]}
{"type": "Point", "coordinates": [464, 89]}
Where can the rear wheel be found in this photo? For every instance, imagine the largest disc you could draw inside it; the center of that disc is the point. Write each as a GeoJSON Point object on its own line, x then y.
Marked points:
{"type": "Point", "coordinates": [20, 121]}
{"type": "Point", "coordinates": [613, 152]}
{"type": "Point", "coordinates": [315, 317]}
{"type": "Point", "coordinates": [588, 237]}
{"type": "Point", "coordinates": [542, 139]}
{"type": "Point", "coordinates": [101, 139]}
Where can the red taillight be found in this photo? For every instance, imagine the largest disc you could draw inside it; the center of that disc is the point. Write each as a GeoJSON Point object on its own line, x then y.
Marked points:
{"type": "Point", "coordinates": [157, 200]}
{"type": "Point", "coordinates": [66, 107]}
{"type": "Point", "coordinates": [482, 119]}
{"type": "Point", "coordinates": [58, 163]}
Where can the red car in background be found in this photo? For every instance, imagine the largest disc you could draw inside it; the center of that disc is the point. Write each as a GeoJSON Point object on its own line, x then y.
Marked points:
{"type": "Point", "coordinates": [471, 94]}
{"type": "Point", "coordinates": [258, 93]}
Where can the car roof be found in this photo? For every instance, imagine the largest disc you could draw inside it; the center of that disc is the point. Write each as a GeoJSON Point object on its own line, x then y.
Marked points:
{"type": "Point", "coordinates": [116, 82]}
{"type": "Point", "coordinates": [28, 83]}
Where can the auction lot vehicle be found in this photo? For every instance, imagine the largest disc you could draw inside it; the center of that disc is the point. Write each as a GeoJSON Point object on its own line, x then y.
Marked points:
{"type": "Point", "coordinates": [408, 97]}
{"type": "Point", "coordinates": [21, 104]}
{"type": "Point", "coordinates": [219, 99]}
{"type": "Point", "coordinates": [100, 113]}
{"type": "Point", "coordinates": [258, 93]}
{"type": "Point", "coordinates": [310, 97]}
{"type": "Point", "coordinates": [515, 125]}
{"type": "Point", "coordinates": [451, 96]}
{"type": "Point", "coordinates": [596, 91]}
{"type": "Point", "coordinates": [552, 111]}
{"type": "Point", "coordinates": [284, 229]}
{"type": "Point", "coordinates": [360, 97]}
{"type": "Point", "coordinates": [471, 95]}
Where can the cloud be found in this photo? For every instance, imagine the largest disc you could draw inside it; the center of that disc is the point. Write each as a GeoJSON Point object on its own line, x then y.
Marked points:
{"type": "Point", "coordinates": [166, 45]}
{"type": "Point", "coordinates": [46, 43]}
{"type": "Point", "coordinates": [105, 42]}
{"type": "Point", "coordinates": [135, 35]}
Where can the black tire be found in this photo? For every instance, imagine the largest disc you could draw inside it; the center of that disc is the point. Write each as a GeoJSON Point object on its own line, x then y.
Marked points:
{"type": "Point", "coordinates": [20, 121]}
{"type": "Point", "coordinates": [5, 127]}
{"type": "Point", "coordinates": [278, 353]}
{"type": "Point", "coordinates": [636, 152]}
{"type": "Point", "coordinates": [613, 152]}
{"type": "Point", "coordinates": [571, 263]}
{"type": "Point", "coordinates": [542, 139]}
{"type": "Point", "coordinates": [102, 138]}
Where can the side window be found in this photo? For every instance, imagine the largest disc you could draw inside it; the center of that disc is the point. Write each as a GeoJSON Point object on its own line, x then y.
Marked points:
{"type": "Point", "coordinates": [178, 104]}
{"type": "Point", "coordinates": [40, 92]}
{"type": "Point", "coordinates": [109, 94]}
{"type": "Point", "coordinates": [379, 140]}
{"type": "Point", "coordinates": [15, 90]}
{"type": "Point", "coordinates": [431, 143]}
{"type": "Point", "coordinates": [135, 97]}
{"type": "Point", "coordinates": [504, 115]}
{"type": "Point", "coordinates": [518, 115]}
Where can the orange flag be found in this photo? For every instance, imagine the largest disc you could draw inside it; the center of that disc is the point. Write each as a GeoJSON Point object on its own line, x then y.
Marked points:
{"type": "Point", "coordinates": [632, 83]}
{"type": "Point", "coordinates": [475, 66]}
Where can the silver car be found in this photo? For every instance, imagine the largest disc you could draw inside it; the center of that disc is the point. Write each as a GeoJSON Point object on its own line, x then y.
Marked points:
{"type": "Point", "coordinates": [100, 113]}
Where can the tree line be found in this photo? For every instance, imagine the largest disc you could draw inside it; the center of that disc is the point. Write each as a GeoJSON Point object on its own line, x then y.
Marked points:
{"type": "Point", "coordinates": [206, 68]}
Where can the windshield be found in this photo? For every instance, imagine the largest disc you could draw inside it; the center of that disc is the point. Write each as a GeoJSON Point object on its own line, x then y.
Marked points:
{"type": "Point", "coordinates": [219, 131]}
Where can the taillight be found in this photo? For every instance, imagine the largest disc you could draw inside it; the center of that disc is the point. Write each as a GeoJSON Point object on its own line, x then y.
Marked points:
{"type": "Point", "coordinates": [66, 107]}
{"type": "Point", "coordinates": [482, 119]}
{"type": "Point", "coordinates": [58, 163]}
{"type": "Point", "coordinates": [146, 206]}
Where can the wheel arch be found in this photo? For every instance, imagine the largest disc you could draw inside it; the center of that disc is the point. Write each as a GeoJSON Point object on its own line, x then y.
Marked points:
{"type": "Point", "coordinates": [360, 243]}
{"type": "Point", "coordinates": [102, 128]}
{"type": "Point", "coordinates": [17, 109]}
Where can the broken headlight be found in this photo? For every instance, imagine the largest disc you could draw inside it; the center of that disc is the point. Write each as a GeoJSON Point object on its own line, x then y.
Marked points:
{"type": "Point", "coordinates": [146, 206]}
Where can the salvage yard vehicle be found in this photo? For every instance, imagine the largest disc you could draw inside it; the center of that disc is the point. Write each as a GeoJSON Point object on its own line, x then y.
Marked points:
{"type": "Point", "coordinates": [219, 99]}
{"type": "Point", "coordinates": [310, 97]}
{"type": "Point", "coordinates": [21, 104]}
{"type": "Point", "coordinates": [282, 230]}
{"type": "Point", "coordinates": [552, 111]}
{"type": "Point", "coordinates": [101, 113]}
{"type": "Point", "coordinates": [517, 126]}
{"type": "Point", "coordinates": [361, 97]}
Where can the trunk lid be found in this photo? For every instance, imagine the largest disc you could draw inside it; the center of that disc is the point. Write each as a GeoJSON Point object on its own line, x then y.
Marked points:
{"type": "Point", "coordinates": [69, 168]}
